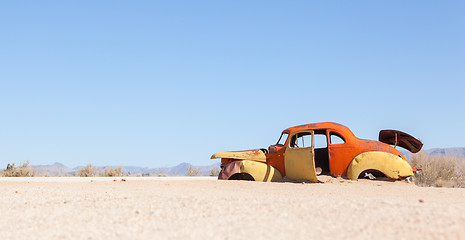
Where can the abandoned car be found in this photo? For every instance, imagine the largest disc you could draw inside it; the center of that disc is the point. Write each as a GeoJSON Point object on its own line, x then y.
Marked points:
{"type": "Point", "coordinates": [303, 152]}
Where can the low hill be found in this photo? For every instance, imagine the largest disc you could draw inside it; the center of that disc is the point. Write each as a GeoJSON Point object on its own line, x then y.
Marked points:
{"type": "Point", "coordinates": [58, 169]}
{"type": "Point", "coordinates": [459, 152]}
{"type": "Point", "coordinates": [456, 152]}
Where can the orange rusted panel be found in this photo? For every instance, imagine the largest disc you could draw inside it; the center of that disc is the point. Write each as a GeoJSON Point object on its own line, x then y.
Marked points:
{"type": "Point", "coordinates": [276, 159]}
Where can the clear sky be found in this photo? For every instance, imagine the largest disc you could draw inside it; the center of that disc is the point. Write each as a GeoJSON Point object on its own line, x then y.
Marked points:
{"type": "Point", "coordinates": [152, 83]}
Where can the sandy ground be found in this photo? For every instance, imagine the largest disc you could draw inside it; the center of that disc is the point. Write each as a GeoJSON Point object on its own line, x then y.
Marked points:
{"type": "Point", "coordinates": [204, 208]}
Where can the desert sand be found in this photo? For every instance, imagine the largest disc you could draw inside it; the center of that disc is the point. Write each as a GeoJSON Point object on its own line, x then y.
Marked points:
{"type": "Point", "coordinates": [205, 208]}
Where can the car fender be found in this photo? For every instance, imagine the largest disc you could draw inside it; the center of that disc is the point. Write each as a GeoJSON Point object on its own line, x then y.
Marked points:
{"type": "Point", "coordinates": [259, 171]}
{"type": "Point", "coordinates": [389, 164]}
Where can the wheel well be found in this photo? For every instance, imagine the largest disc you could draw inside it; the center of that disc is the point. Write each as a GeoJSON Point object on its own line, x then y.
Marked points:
{"type": "Point", "coordinates": [241, 176]}
{"type": "Point", "coordinates": [374, 172]}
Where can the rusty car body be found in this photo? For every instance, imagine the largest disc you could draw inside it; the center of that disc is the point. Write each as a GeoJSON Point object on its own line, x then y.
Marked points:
{"type": "Point", "coordinates": [328, 147]}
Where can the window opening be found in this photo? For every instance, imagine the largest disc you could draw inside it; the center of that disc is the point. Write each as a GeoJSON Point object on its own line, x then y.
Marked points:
{"type": "Point", "coordinates": [336, 139]}
{"type": "Point", "coordinates": [320, 141]}
{"type": "Point", "coordinates": [302, 140]}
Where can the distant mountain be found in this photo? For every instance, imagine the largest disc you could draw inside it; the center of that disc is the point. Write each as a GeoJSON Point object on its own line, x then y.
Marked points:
{"type": "Point", "coordinates": [456, 152]}
{"type": "Point", "coordinates": [58, 169]}
{"type": "Point", "coordinates": [181, 169]}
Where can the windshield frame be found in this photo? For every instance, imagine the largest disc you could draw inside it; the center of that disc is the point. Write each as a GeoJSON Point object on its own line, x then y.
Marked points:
{"type": "Point", "coordinates": [280, 137]}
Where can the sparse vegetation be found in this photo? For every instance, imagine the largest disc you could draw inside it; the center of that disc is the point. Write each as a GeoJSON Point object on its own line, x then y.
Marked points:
{"type": "Point", "coordinates": [191, 171]}
{"type": "Point", "coordinates": [159, 172]}
{"type": "Point", "coordinates": [23, 170]}
{"type": "Point", "coordinates": [439, 170]}
{"type": "Point", "coordinates": [215, 171]}
{"type": "Point", "coordinates": [113, 172]}
{"type": "Point", "coordinates": [88, 171]}
{"type": "Point", "coordinates": [44, 174]}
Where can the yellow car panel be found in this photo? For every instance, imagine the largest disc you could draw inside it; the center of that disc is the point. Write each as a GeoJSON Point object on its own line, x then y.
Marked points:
{"type": "Point", "coordinates": [260, 171]}
{"type": "Point", "coordinates": [299, 162]}
{"type": "Point", "coordinates": [389, 164]}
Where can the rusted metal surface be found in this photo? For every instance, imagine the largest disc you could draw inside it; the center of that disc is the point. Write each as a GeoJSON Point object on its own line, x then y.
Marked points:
{"type": "Point", "coordinates": [392, 166]}
{"type": "Point", "coordinates": [276, 159]}
{"type": "Point", "coordinates": [258, 171]}
{"type": "Point", "coordinates": [254, 155]}
{"type": "Point", "coordinates": [300, 163]}
{"type": "Point", "coordinates": [401, 139]}
{"type": "Point", "coordinates": [229, 170]}
{"type": "Point", "coordinates": [339, 155]}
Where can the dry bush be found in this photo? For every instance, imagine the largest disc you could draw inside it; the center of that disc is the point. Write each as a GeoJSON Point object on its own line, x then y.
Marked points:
{"type": "Point", "coordinates": [24, 170]}
{"type": "Point", "coordinates": [439, 170]}
{"type": "Point", "coordinates": [44, 174]}
{"type": "Point", "coordinates": [215, 171]}
{"type": "Point", "coordinates": [191, 171]}
{"type": "Point", "coordinates": [160, 172]}
{"type": "Point", "coordinates": [113, 172]}
{"type": "Point", "coordinates": [88, 171]}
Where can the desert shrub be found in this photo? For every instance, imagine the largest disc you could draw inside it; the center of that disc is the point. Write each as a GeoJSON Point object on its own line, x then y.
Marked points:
{"type": "Point", "coordinates": [215, 171]}
{"type": "Point", "coordinates": [44, 174]}
{"type": "Point", "coordinates": [88, 171]}
{"type": "Point", "coordinates": [23, 170]}
{"type": "Point", "coordinates": [439, 170]}
{"type": "Point", "coordinates": [191, 171]}
{"type": "Point", "coordinates": [113, 172]}
{"type": "Point", "coordinates": [160, 172]}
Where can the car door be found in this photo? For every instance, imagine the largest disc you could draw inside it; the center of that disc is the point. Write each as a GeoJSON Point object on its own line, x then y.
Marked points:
{"type": "Point", "coordinates": [299, 157]}
{"type": "Point", "coordinates": [342, 150]}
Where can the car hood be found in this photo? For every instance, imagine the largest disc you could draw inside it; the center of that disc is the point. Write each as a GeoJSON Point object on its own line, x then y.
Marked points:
{"type": "Point", "coordinates": [401, 139]}
{"type": "Point", "coordinates": [254, 155]}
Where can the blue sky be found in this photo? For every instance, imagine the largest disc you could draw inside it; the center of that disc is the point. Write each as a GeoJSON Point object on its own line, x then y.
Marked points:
{"type": "Point", "coordinates": [155, 84]}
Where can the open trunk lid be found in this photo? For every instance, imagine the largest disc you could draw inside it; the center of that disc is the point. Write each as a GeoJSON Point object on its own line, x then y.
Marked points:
{"type": "Point", "coordinates": [401, 139]}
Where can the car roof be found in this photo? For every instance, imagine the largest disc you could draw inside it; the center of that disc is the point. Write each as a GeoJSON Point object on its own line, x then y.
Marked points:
{"type": "Point", "coordinates": [321, 125]}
